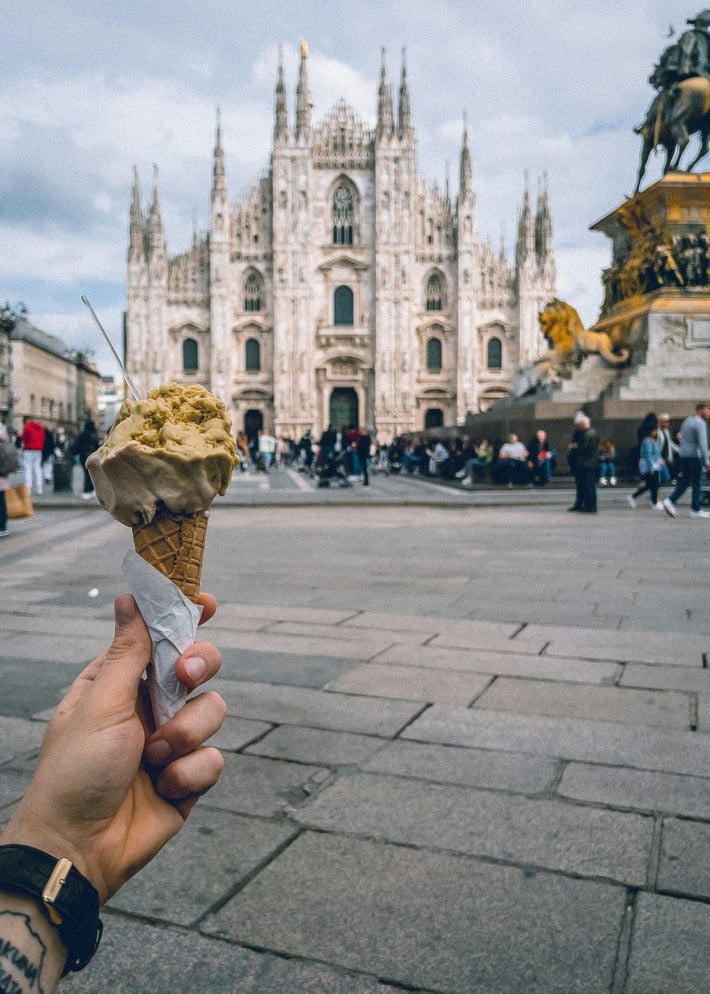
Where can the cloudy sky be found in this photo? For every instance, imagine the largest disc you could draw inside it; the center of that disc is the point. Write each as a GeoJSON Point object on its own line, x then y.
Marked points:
{"type": "Point", "coordinates": [90, 88]}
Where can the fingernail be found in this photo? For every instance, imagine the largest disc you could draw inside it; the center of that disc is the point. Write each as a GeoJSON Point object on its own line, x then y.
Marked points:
{"type": "Point", "coordinates": [125, 610]}
{"type": "Point", "coordinates": [157, 752]}
{"type": "Point", "coordinates": [196, 668]}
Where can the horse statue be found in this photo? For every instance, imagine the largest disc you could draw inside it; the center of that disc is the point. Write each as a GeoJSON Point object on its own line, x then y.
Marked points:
{"type": "Point", "coordinates": [674, 115]}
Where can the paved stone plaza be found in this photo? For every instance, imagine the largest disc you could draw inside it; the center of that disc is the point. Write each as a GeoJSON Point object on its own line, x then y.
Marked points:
{"type": "Point", "coordinates": [467, 749]}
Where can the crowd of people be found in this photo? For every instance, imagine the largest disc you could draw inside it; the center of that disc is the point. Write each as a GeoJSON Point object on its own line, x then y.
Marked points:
{"type": "Point", "coordinates": [38, 451]}
{"type": "Point", "coordinates": [348, 454]}
{"type": "Point", "coordinates": [662, 458]}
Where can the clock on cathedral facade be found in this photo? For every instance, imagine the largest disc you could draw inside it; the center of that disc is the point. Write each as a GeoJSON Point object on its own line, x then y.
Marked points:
{"type": "Point", "coordinates": [343, 288]}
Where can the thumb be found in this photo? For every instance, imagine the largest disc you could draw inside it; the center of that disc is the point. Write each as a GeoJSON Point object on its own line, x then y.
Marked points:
{"type": "Point", "coordinates": [128, 655]}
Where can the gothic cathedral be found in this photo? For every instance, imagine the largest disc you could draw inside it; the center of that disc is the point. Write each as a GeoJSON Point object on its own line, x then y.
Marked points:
{"type": "Point", "coordinates": [342, 288]}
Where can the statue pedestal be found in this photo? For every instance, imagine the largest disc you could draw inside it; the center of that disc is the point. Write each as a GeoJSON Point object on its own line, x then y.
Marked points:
{"type": "Point", "coordinates": [657, 305]}
{"type": "Point", "coordinates": [657, 292]}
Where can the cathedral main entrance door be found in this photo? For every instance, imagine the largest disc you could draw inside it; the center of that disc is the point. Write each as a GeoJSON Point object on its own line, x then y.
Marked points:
{"type": "Point", "coordinates": [344, 408]}
{"type": "Point", "coordinates": [253, 423]}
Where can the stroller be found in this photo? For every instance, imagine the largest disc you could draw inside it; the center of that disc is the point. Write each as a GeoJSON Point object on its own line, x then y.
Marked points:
{"type": "Point", "coordinates": [330, 467]}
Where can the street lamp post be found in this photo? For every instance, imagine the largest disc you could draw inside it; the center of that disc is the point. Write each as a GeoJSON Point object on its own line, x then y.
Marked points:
{"type": "Point", "coordinates": [8, 323]}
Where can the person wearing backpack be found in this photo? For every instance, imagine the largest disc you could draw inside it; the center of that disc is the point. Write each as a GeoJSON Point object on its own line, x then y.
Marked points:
{"type": "Point", "coordinates": [9, 462]}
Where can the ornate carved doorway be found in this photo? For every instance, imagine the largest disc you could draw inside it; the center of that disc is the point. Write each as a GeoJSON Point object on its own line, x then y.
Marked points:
{"type": "Point", "coordinates": [344, 408]}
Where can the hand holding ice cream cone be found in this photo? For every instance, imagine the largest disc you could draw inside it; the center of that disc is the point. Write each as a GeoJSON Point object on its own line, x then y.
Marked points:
{"type": "Point", "coordinates": [165, 460]}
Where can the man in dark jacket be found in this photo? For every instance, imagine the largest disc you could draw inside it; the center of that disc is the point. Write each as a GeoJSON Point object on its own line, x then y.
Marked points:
{"type": "Point", "coordinates": [583, 458]}
{"type": "Point", "coordinates": [364, 444]}
{"type": "Point", "coordinates": [588, 465]}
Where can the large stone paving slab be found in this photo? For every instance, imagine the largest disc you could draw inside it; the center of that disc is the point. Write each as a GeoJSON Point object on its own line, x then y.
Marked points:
{"type": "Point", "coordinates": [369, 907]}
{"type": "Point", "coordinates": [137, 957]}
{"type": "Point", "coordinates": [415, 683]}
{"type": "Point", "coordinates": [315, 745]}
{"type": "Point", "coordinates": [653, 792]}
{"type": "Point", "coordinates": [210, 856]}
{"type": "Point", "coordinates": [12, 786]}
{"type": "Point", "coordinates": [18, 736]}
{"type": "Point", "coordinates": [281, 667]}
{"type": "Point", "coordinates": [486, 634]}
{"type": "Point", "coordinates": [631, 707]}
{"type": "Point", "coordinates": [688, 678]}
{"type": "Point", "coordinates": [646, 646]}
{"type": "Point", "coordinates": [670, 952]}
{"type": "Point", "coordinates": [260, 786]}
{"type": "Point", "coordinates": [33, 685]}
{"type": "Point", "coordinates": [236, 733]}
{"type": "Point", "coordinates": [469, 767]}
{"type": "Point", "coordinates": [509, 663]}
{"type": "Point", "coordinates": [316, 709]}
{"type": "Point", "coordinates": [333, 647]}
{"type": "Point", "coordinates": [575, 839]}
{"type": "Point", "coordinates": [592, 741]}
{"type": "Point", "coordinates": [684, 865]}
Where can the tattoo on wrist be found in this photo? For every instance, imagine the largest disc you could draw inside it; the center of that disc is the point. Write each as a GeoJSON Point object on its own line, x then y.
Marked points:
{"type": "Point", "coordinates": [21, 957]}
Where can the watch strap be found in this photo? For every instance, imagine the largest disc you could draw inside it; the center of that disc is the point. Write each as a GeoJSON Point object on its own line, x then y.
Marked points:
{"type": "Point", "coordinates": [68, 899]}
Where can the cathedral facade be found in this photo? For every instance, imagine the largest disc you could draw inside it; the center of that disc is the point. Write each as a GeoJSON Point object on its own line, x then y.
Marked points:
{"type": "Point", "coordinates": [342, 288]}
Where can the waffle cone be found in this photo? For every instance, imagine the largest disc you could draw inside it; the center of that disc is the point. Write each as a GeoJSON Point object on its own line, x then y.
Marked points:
{"type": "Point", "coordinates": [175, 545]}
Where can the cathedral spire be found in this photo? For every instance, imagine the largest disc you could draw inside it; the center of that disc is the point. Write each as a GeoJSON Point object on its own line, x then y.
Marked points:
{"type": "Point", "coordinates": [543, 222]}
{"type": "Point", "coordinates": [304, 102]}
{"type": "Point", "coordinates": [281, 112]}
{"type": "Point", "coordinates": [155, 221]}
{"type": "Point", "coordinates": [136, 247]}
{"type": "Point", "coordinates": [465, 168]}
{"type": "Point", "coordinates": [525, 246]}
{"type": "Point", "coordinates": [385, 114]}
{"type": "Point", "coordinates": [404, 112]}
{"type": "Point", "coordinates": [218, 179]}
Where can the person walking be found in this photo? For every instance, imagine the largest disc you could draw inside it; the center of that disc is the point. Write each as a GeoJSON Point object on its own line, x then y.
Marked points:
{"type": "Point", "coordinates": [589, 459]}
{"type": "Point", "coordinates": [668, 447]}
{"type": "Point", "coordinates": [574, 450]}
{"type": "Point", "coordinates": [693, 457]}
{"type": "Point", "coordinates": [650, 466]}
{"type": "Point", "coordinates": [364, 444]}
{"type": "Point", "coordinates": [32, 439]}
{"type": "Point", "coordinates": [9, 462]}
{"type": "Point", "coordinates": [87, 442]}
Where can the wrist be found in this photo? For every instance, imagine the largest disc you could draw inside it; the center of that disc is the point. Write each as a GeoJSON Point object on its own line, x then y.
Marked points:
{"type": "Point", "coordinates": [66, 899]}
{"type": "Point", "coordinates": [24, 829]}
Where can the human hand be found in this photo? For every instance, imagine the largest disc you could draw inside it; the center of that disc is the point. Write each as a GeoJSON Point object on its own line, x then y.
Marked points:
{"type": "Point", "coordinates": [109, 790]}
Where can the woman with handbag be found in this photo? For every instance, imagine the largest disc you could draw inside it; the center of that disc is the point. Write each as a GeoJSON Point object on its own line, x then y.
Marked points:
{"type": "Point", "coordinates": [9, 462]}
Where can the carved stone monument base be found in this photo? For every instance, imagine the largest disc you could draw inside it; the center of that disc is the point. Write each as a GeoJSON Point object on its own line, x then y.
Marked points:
{"type": "Point", "coordinates": [657, 290]}
{"type": "Point", "coordinates": [656, 304]}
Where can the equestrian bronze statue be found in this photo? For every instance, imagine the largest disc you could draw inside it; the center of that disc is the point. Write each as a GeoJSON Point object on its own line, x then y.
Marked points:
{"type": "Point", "coordinates": [681, 107]}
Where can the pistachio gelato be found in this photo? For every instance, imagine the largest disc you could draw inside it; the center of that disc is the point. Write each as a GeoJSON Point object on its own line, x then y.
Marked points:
{"type": "Point", "coordinates": [172, 451]}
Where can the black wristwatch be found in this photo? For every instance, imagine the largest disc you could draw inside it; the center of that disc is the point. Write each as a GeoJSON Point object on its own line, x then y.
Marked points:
{"type": "Point", "coordinates": [67, 898]}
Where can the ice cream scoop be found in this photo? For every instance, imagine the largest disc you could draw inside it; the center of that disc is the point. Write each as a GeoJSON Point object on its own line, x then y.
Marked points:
{"type": "Point", "coordinates": [173, 451]}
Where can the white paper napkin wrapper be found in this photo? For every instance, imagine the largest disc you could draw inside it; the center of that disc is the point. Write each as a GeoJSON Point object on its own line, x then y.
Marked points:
{"type": "Point", "coordinates": [172, 621]}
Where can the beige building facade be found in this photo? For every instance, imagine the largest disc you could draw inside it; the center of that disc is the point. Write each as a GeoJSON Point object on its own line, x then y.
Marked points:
{"type": "Point", "coordinates": [342, 288]}
{"type": "Point", "coordinates": [46, 380]}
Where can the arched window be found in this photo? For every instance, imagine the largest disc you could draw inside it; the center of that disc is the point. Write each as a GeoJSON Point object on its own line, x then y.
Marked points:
{"type": "Point", "coordinates": [495, 353]}
{"type": "Point", "coordinates": [434, 293]}
{"type": "Point", "coordinates": [253, 289]}
{"type": "Point", "coordinates": [433, 355]}
{"type": "Point", "coordinates": [343, 215]}
{"type": "Point", "coordinates": [190, 356]}
{"type": "Point", "coordinates": [343, 306]}
{"type": "Point", "coordinates": [252, 356]}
